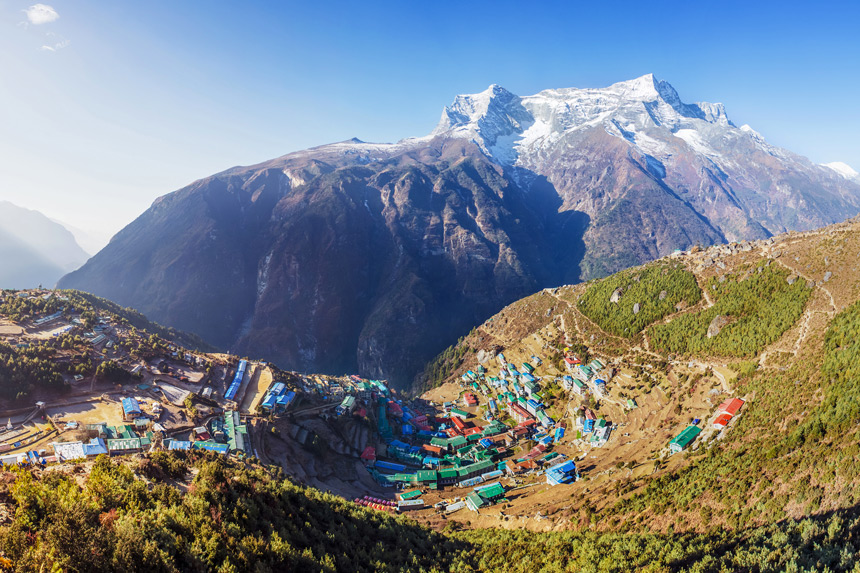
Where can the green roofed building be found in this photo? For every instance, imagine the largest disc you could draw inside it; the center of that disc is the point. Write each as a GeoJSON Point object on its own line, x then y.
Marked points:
{"type": "Point", "coordinates": [492, 492]}
{"type": "Point", "coordinates": [475, 469]}
{"type": "Point", "coordinates": [237, 432]}
{"type": "Point", "coordinates": [684, 439]}
{"type": "Point", "coordinates": [475, 501]}
{"type": "Point", "coordinates": [457, 441]}
{"type": "Point", "coordinates": [459, 413]}
{"type": "Point", "coordinates": [123, 445]}
{"type": "Point", "coordinates": [426, 476]}
{"type": "Point", "coordinates": [410, 494]}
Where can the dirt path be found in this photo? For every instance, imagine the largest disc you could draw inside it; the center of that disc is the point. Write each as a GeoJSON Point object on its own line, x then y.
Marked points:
{"type": "Point", "coordinates": [805, 320]}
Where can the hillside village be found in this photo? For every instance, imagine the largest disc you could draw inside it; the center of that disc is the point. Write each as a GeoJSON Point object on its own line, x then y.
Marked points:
{"type": "Point", "coordinates": [488, 444]}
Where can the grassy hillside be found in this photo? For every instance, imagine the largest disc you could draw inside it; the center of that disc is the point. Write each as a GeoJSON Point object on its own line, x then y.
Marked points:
{"type": "Point", "coordinates": [129, 516]}
{"type": "Point", "coordinates": [787, 469]}
{"type": "Point", "coordinates": [757, 304]}
{"type": "Point", "coordinates": [644, 296]}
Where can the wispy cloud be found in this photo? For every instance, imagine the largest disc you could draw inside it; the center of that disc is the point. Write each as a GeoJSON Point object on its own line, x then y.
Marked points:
{"type": "Point", "coordinates": [41, 14]}
{"type": "Point", "coordinates": [54, 47]}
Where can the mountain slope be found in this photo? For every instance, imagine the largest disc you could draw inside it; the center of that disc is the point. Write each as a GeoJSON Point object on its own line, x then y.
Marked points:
{"type": "Point", "coordinates": [776, 325]}
{"type": "Point", "coordinates": [121, 516]}
{"type": "Point", "coordinates": [375, 256]}
{"type": "Point", "coordinates": [34, 249]}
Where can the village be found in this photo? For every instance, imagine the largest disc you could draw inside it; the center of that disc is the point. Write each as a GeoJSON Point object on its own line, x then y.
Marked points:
{"type": "Point", "coordinates": [480, 443]}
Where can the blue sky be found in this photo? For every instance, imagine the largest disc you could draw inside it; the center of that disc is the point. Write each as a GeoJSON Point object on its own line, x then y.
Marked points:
{"type": "Point", "coordinates": [107, 105]}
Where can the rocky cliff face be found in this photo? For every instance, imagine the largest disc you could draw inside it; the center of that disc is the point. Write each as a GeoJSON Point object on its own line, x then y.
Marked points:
{"type": "Point", "coordinates": [376, 256]}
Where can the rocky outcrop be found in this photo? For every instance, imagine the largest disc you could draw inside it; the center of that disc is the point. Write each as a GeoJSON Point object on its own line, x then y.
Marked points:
{"type": "Point", "coordinates": [717, 325]}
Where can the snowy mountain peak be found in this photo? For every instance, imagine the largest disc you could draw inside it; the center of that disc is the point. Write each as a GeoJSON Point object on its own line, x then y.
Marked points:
{"type": "Point", "coordinates": [643, 88]}
{"type": "Point", "coordinates": [469, 109]}
{"type": "Point", "coordinates": [842, 169]}
{"type": "Point", "coordinates": [509, 128]}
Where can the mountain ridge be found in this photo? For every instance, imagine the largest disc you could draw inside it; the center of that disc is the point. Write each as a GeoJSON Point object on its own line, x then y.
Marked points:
{"type": "Point", "coordinates": [34, 249]}
{"type": "Point", "coordinates": [345, 251]}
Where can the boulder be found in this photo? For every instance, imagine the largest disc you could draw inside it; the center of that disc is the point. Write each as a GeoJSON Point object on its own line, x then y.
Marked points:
{"type": "Point", "coordinates": [717, 325]}
{"type": "Point", "coordinates": [663, 295]}
{"type": "Point", "coordinates": [636, 308]}
{"type": "Point", "coordinates": [616, 295]}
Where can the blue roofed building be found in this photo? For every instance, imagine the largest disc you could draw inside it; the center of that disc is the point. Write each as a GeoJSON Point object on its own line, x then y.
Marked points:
{"type": "Point", "coordinates": [130, 409]}
{"type": "Point", "coordinates": [561, 473]}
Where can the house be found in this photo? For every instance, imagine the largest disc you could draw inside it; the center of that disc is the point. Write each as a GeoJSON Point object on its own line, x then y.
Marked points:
{"type": "Point", "coordinates": [584, 373]}
{"type": "Point", "coordinates": [722, 421]}
{"type": "Point", "coordinates": [566, 383]}
{"type": "Point", "coordinates": [519, 413]}
{"type": "Point", "coordinates": [201, 433]}
{"type": "Point", "coordinates": [475, 501]}
{"type": "Point", "coordinates": [562, 473]}
{"type": "Point", "coordinates": [459, 413]}
{"type": "Point", "coordinates": [130, 409]}
{"type": "Point", "coordinates": [731, 406]}
{"type": "Point", "coordinates": [183, 445]}
{"type": "Point", "coordinates": [363, 390]}
{"type": "Point", "coordinates": [237, 432]}
{"type": "Point", "coordinates": [544, 420]}
{"type": "Point", "coordinates": [368, 456]}
{"type": "Point", "coordinates": [122, 446]}
{"type": "Point", "coordinates": [69, 451]}
{"type": "Point", "coordinates": [470, 399]}
{"type": "Point", "coordinates": [601, 435]}
{"type": "Point", "coordinates": [346, 406]}
{"type": "Point", "coordinates": [211, 447]}
{"type": "Point", "coordinates": [684, 439]}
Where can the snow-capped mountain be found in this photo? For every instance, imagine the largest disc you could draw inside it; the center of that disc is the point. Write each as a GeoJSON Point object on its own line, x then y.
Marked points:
{"type": "Point", "coordinates": [375, 256]}
{"type": "Point", "coordinates": [844, 170]}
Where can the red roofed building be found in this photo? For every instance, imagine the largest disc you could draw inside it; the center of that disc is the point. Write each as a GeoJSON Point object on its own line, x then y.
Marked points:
{"type": "Point", "coordinates": [732, 406]}
{"type": "Point", "coordinates": [369, 454]}
{"type": "Point", "coordinates": [722, 421]}
{"type": "Point", "coordinates": [519, 414]}
{"type": "Point", "coordinates": [470, 399]}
